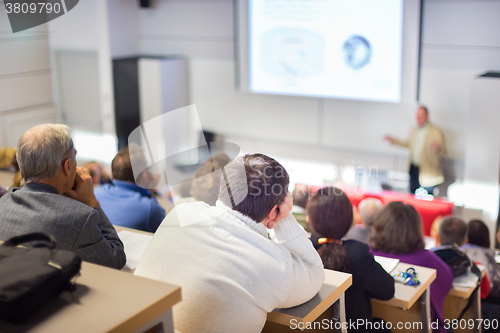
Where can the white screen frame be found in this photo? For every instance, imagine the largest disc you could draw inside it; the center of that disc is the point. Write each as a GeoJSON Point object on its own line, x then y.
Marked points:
{"type": "Point", "coordinates": [410, 54]}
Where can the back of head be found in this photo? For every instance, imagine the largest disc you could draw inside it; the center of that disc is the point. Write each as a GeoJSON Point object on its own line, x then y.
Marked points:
{"type": "Point", "coordinates": [397, 229]}
{"type": "Point", "coordinates": [265, 180]}
{"type": "Point", "coordinates": [126, 160]}
{"type": "Point", "coordinates": [452, 230]}
{"type": "Point", "coordinates": [330, 214]}
{"type": "Point", "coordinates": [368, 209]}
{"type": "Point", "coordinates": [206, 185]}
{"type": "Point", "coordinates": [301, 195]}
{"type": "Point", "coordinates": [41, 150]}
{"type": "Point", "coordinates": [478, 233]}
{"type": "Point", "coordinates": [121, 166]}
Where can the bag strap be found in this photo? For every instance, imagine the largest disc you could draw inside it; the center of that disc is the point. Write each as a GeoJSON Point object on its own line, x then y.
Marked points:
{"type": "Point", "coordinates": [33, 237]}
{"type": "Point", "coordinates": [477, 272]}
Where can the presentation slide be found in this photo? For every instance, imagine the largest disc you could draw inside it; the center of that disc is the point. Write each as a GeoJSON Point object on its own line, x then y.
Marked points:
{"type": "Point", "coordinates": [349, 49]}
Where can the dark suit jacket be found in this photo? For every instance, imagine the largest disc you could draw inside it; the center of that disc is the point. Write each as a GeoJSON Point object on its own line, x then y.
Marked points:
{"type": "Point", "coordinates": [76, 226]}
{"type": "Point", "coordinates": [369, 280]}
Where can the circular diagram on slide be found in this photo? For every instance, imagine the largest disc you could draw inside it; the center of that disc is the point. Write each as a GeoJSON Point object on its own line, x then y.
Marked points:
{"type": "Point", "coordinates": [292, 52]}
{"type": "Point", "coordinates": [357, 52]}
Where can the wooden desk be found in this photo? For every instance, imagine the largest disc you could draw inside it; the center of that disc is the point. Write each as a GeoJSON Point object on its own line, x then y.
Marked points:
{"type": "Point", "coordinates": [320, 307]}
{"type": "Point", "coordinates": [403, 307]}
{"type": "Point", "coordinates": [457, 299]}
{"type": "Point", "coordinates": [106, 300]}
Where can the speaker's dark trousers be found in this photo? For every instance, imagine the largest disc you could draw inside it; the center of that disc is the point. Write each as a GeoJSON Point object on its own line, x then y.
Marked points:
{"type": "Point", "coordinates": [414, 183]}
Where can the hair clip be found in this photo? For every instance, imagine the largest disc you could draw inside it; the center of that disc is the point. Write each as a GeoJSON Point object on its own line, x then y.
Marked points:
{"type": "Point", "coordinates": [329, 241]}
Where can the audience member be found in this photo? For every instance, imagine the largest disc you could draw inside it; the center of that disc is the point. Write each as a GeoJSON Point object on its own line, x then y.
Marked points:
{"type": "Point", "coordinates": [230, 272]}
{"type": "Point", "coordinates": [397, 233]}
{"type": "Point", "coordinates": [498, 237]}
{"type": "Point", "coordinates": [126, 203]}
{"type": "Point", "coordinates": [301, 195]}
{"type": "Point", "coordinates": [478, 248]}
{"type": "Point", "coordinates": [58, 198]}
{"type": "Point", "coordinates": [205, 187]}
{"type": "Point", "coordinates": [452, 231]}
{"type": "Point", "coordinates": [18, 178]}
{"type": "Point", "coordinates": [181, 193]}
{"type": "Point", "coordinates": [368, 209]}
{"type": "Point", "coordinates": [330, 214]}
{"type": "Point", "coordinates": [6, 156]}
{"type": "Point", "coordinates": [97, 172]}
{"type": "Point", "coordinates": [434, 232]}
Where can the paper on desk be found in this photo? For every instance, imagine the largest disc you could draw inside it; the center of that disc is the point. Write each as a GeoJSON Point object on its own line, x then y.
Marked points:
{"type": "Point", "coordinates": [135, 245]}
{"type": "Point", "coordinates": [466, 280]}
{"type": "Point", "coordinates": [388, 264]}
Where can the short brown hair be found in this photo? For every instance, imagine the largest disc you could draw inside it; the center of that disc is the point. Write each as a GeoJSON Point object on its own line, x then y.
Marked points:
{"type": "Point", "coordinates": [121, 166]}
{"type": "Point", "coordinates": [478, 233]}
{"type": "Point", "coordinates": [452, 230]}
{"type": "Point", "coordinates": [206, 185]}
{"type": "Point", "coordinates": [262, 176]}
{"type": "Point", "coordinates": [397, 229]}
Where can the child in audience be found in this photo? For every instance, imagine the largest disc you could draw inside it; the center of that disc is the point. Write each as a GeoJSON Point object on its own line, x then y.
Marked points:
{"type": "Point", "coordinates": [330, 215]}
{"type": "Point", "coordinates": [397, 233]}
{"type": "Point", "coordinates": [478, 249]}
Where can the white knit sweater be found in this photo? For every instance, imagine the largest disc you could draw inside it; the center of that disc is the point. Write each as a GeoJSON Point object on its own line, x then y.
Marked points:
{"type": "Point", "coordinates": [231, 274]}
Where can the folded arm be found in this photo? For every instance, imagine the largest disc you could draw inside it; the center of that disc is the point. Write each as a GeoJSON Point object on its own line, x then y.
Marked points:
{"type": "Point", "coordinates": [98, 241]}
{"type": "Point", "coordinates": [307, 267]}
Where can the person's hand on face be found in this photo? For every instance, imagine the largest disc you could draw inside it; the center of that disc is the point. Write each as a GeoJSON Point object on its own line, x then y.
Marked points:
{"type": "Point", "coordinates": [282, 210]}
{"type": "Point", "coordinates": [83, 189]}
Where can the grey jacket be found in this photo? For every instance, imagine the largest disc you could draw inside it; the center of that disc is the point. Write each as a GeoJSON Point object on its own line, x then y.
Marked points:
{"type": "Point", "coordinates": [76, 226]}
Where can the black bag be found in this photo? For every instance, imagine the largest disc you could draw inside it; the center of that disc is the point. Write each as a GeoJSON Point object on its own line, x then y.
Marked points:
{"type": "Point", "coordinates": [460, 263]}
{"type": "Point", "coordinates": [455, 257]}
{"type": "Point", "coordinates": [30, 277]}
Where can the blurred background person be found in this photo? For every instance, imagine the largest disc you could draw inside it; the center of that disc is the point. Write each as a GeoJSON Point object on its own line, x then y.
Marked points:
{"type": "Point", "coordinates": [125, 202]}
{"type": "Point", "coordinates": [427, 146]}
{"type": "Point", "coordinates": [478, 249]}
{"type": "Point", "coordinates": [98, 173]}
{"type": "Point", "coordinates": [368, 209]}
{"type": "Point", "coordinates": [330, 215]}
{"type": "Point", "coordinates": [397, 233]}
{"type": "Point", "coordinates": [206, 184]}
{"type": "Point", "coordinates": [301, 195]}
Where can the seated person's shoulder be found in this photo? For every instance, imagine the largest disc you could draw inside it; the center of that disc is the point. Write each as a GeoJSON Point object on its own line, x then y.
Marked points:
{"type": "Point", "coordinates": [356, 248]}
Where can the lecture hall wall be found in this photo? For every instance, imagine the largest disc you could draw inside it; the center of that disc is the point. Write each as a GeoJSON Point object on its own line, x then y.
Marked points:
{"type": "Point", "coordinates": [25, 84]}
{"type": "Point", "coordinates": [460, 40]}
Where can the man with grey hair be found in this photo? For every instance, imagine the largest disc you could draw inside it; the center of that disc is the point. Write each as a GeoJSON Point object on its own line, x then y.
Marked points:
{"type": "Point", "coordinates": [58, 198]}
{"type": "Point", "coordinates": [368, 209]}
